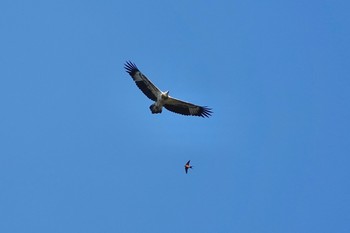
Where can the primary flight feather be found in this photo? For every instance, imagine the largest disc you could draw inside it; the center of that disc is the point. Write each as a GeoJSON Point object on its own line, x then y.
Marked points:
{"type": "Point", "coordinates": [162, 99]}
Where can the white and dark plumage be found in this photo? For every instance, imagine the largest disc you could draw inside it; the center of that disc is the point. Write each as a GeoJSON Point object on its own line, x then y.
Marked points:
{"type": "Point", "coordinates": [162, 99]}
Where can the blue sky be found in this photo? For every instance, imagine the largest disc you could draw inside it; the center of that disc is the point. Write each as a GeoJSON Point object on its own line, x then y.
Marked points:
{"type": "Point", "coordinates": [81, 152]}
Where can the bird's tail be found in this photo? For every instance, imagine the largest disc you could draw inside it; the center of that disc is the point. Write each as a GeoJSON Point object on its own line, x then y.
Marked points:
{"type": "Point", "coordinates": [155, 109]}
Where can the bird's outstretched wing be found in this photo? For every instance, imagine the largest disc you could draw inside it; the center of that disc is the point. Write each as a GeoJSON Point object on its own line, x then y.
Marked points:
{"type": "Point", "coordinates": [185, 108]}
{"type": "Point", "coordinates": [145, 85]}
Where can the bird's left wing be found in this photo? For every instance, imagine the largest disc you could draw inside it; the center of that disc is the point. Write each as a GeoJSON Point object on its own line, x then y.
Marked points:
{"type": "Point", "coordinates": [185, 108]}
{"type": "Point", "coordinates": [145, 85]}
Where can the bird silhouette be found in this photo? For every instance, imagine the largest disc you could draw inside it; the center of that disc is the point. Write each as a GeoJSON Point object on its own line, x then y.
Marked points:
{"type": "Point", "coordinates": [187, 166]}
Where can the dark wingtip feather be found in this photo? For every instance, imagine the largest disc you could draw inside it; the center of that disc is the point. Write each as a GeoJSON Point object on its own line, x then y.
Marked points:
{"type": "Point", "coordinates": [131, 68]}
{"type": "Point", "coordinates": [205, 111]}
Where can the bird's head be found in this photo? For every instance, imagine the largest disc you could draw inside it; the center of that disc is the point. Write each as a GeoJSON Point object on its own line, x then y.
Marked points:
{"type": "Point", "coordinates": [165, 95]}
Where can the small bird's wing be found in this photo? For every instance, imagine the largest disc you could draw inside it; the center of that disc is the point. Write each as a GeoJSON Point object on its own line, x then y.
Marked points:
{"type": "Point", "coordinates": [185, 108]}
{"type": "Point", "coordinates": [188, 163]}
{"type": "Point", "coordinates": [145, 85]}
{"type": "Point", "coordinates": [186, 169]}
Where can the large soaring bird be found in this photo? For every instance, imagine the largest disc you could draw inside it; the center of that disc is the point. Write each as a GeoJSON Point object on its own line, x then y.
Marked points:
{"type": "Point", "coordinates": [162, 99]}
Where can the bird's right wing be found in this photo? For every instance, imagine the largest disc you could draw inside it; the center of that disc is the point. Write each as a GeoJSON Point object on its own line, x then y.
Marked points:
{"type": "Point", "coordinates": [145, 85]}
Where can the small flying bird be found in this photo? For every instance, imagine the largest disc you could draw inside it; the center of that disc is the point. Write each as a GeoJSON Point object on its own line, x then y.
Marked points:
{"type": "Point", "coordinates": [162, 99]}
{"type": "Point", "coordinates": [187, 166]}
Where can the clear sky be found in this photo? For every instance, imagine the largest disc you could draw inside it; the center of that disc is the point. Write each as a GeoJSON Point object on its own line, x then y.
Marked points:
{"type": "Point", "coordinates": [80, 150]}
